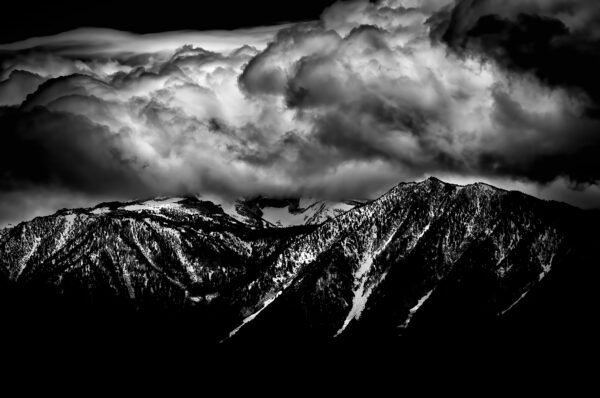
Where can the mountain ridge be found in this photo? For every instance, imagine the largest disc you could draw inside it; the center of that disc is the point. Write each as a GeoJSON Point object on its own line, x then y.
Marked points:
{"type": "Point", "coordinates": [372, 270]}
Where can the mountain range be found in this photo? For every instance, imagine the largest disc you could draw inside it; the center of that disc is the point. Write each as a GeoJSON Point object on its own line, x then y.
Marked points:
{"type": "Point", "coordinates": [427, 261]}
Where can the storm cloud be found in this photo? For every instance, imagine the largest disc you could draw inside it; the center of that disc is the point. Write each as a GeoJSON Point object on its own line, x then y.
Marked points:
{"type": "Point", "coordinates": [344, 107]}
{"type": "Point", "coordinates": [558, 41]}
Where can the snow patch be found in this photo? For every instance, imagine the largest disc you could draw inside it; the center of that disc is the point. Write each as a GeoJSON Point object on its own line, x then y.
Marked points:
{"type": "Point", "coordinates": [423, 232]}
{"type": "Point", "coordinates": [416, 308]}
{"type": "Point", "coordinates": [418, 237]}
{"type": "Point", "coordinates": [510, 307]}
{"type": "Point", "coordinates": [361, 293]}
{"type": "Point", "coordinates": [155, 205]}
{"type": "Point", "coordinates": [208, 298]}
{"type": "Point", "coordinates": [321, 212]}
{"type": "Point", "coordinates": [546, 268]}
{"type": "Point", "coordinates": [69, 220]}
{"type": "Point", "coordinates": [282, 217]}
{"type": "Point", "coordinates": [311, 211]}
{"type": "Point", "coordinates": [148, 258]}
{"type": "Point", "coordinates": [183, 260]}
{"type": "Point", "coordinates": [250, 318]}
{"type": "Point", "coordinates": [99, 211]}
{"type": "Point", "coordinates": [23, 261]}
{"type": "Point", "coordinates": [127, 280]}
{"type": "Point", "coordinates": [302, 257]}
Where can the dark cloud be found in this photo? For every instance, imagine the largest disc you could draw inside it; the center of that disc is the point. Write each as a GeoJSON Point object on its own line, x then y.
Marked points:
{"type": "Point", "coordinates": [352, 91]}
{"type": "Point", "coordinates": [265, 73]}
{"type": "Point", "coordinates": [25, 20]}
{"type": "Point", "coordinates": [19, 84]}
{"type": "Point", "coordinates": [368, 98]}
{"type": "Point", "coordinates": [372, 94]}
{"type": "Point", "coordinates": [558, 43]}
{"type": "Point", "coordinates": [49, 149]}
{"type": "Point", "coordinates": [542, 146]}
{"type": "Point", "coordinates": [546, 39]}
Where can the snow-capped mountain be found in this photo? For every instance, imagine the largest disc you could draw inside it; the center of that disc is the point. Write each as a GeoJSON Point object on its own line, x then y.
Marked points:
{"type": "Point", "coordinates": [273, 212]}
{"type": "Point", "coordinates": [422, 258]}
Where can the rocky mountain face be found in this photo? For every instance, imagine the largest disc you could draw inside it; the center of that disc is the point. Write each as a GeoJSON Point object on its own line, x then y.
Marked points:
{"type": "Point", "coordinates": [426, 260]}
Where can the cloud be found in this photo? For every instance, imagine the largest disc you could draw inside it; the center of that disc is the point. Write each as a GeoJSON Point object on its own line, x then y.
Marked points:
{"type": "Point", "coordinates": [373, 95]}
{"type": "Point", "coordinates": [48, 149]}
{"type": "Point", "coordinates": [19, 84]}
{"type": "Point", "coordinates": [556, 40]}
{"type": "Point", "coordinates": [100, 42]}
{"type": "Point", "coordinates": [555, 44]}
{"type": "Point", "coordinates": [344, 107]}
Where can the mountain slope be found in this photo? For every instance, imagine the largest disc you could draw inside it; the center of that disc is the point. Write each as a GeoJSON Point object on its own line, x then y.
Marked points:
{"type": "Point", "coordinates": [425, 257]}
{"type": "Point", "coordinates": [375, 269]}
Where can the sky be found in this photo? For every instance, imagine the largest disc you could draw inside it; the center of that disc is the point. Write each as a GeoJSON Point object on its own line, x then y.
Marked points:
{"type": "Point", "coordinates": [330, 100]}
{"type": "Point", "coordinates": [137, 16]}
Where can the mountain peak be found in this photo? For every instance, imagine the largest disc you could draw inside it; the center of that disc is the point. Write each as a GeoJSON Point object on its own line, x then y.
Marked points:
{"type": "Point", "coordinates": [385, 267]}
{"type": "Point", "coordinates": [486, 187]}
{"type": "Point", "coordinates": [479, 186]}
{"type": "Point", "coordinates": [433, 179]}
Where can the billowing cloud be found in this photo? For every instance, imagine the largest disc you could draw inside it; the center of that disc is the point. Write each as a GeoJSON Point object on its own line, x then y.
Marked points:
{"type": "Point", "coordinates": [96, 42]}
{"type": "Point", "coordinates": [382, 93]}
{"type": "Point", "coordinates": [555, 40]}
{"type": "Point", "coordinates": [556, 44]}
{"type": "Point", "coordinates": [372, 94]}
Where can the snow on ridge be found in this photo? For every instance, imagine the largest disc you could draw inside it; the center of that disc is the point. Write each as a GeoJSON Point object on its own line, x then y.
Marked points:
{"type": "Point", "coordinates": [282, 217]}
{"type": "Point", "coordinates": [176, 244]}
{"type": "Point", "coordinates": [546, 268]}
{"type": "Point", "coordinates": [100, 210]}
{"type": "Point", "coordinates": [127, 280]}
{"type": "Point", "coordinates": [266, 303]}
{"type": "Point", "coordinates": [323, 211]}
{"type": "Point", "coordinates": [486, 187]}
{"type": "Point", "coordinates": [422, 233]}
{"type": "Point", "coordinates": [69, 220]}
{"type": "Point", "coordinates": [228, 206]}
{"type": "Point", "coordinates": [310, 211]}
{"type": "Point", "coordinates": [148, 257]}
{"type": "Point", "coordinates": [154, 204]}
{"type": "Point", "coordinates": [361, 295]}
{"type": "Point", "coordinates": [250, 318]}
{"type": "Point", "coordinates": [23, 260]}
{"type": "Point", "coordinates": [197, 299]}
